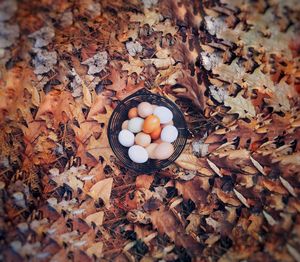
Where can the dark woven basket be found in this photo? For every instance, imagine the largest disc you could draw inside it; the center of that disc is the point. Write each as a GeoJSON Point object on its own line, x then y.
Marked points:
{"type": "Point", "coordinates": [120, 114]}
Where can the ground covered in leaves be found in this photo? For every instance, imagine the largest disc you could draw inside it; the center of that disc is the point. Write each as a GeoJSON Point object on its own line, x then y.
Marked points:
{"type": "Point", "coordinates": [232, 66]}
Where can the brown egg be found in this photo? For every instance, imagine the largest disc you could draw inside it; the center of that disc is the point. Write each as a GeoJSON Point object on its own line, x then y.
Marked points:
{"type": "Point", "coordinates": [144, 109]}
{"type": "Point", "coordinates": [142, 139]}
{"type": "Point", "coordinates": [163, 151]}
{"type": "Point", "coordinates": [150, 149]}
{"type": "Point", "coordinates": [133, 112]}
{"type": "Point", "coordinates": [125, 124]}
{"type": "Point", "coordinates": [157, 141]}
{"type": "Point", "coordinates": [156, 133]}
{"type": "Point", "coordinates": [154, 106]}
{"type": "Point", "coordinates": [151, 123]}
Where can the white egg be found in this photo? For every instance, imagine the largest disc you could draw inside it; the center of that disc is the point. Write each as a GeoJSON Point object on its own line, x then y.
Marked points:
{"type": "Point", "coordinates": [164, 114]}
{"type": "Point", "coordinates": [169, 134]}
{"type": "Point", "coordinates": [135, 124]}
{"type": "Point", "coordinates": [126, 138]}
{"type": "Point", "coordinates": [138, 154]}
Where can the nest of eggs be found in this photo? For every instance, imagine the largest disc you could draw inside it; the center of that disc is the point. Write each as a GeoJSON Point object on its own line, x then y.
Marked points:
{"type": "Point", "coordinates": [154, 131]}
{"type": "Point", "coordinates": [147, 132]}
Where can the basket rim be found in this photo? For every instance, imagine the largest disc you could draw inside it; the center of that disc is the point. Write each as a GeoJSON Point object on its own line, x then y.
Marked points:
{"type": "Point", "coordinates": [138, 93]}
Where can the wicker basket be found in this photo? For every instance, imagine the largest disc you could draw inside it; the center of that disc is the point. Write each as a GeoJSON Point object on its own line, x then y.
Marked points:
{"type": "Point", "coordinates": [120, 114]}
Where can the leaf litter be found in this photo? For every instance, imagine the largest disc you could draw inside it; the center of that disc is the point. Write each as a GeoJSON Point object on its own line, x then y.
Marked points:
{"type": "Point", "coordinates": [232, 195]}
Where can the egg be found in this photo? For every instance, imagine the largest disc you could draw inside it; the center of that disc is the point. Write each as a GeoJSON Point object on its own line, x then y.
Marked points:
{"type": "Point", "coordinates": [169, 134]}
{"type": "Point", "coordinates": [171, 123]}
{"type": "Point", "coordinates": [163, 151]}
{"type": "Point", "coordinates": [164, 114]}
{"type": "Point", "coordinates": [138, 154]}
{"type": "Point", "coordinates": [150, 150]}
{"type": "Point", "coordinates": [125, 124]}
{"type": "Point", "coordinates": [156, 133]}
{"type": "Point", "coordinates": [144, 109]}
{"type": "Point", "coordinates": [150, 124]}
{"type": "Point", "coordinates": [133, 112]}
{"type": "Point", "coordinates": [158, 141]}
{"type": "Point", "coordinates": [126, 138]}
{"type": "Point", "coordinates": [142, 139]}
{"type": "Point", "coordinates": [135, 125]}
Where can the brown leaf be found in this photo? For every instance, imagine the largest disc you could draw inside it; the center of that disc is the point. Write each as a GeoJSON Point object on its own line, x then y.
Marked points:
{"type": "Point", "coordinates": [102, 190]}
{"type": "Point", "coordinates": [144, 181]}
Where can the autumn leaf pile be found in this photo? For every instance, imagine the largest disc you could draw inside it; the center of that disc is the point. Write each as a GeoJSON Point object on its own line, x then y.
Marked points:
{"type": "Point", "coordinates": [232, 66]}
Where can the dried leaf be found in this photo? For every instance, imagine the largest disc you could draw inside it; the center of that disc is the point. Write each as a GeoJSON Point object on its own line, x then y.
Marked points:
{"type": "Point", "coordinates": [258, 166]}
{"type": "Point", "coordinates": [288, 187]}
{"type": "Point", "coordinates": [96, 63]}
{"type": "Point", "coordinates": [95, 249]}
{"type": "Point", "coordinates": [241, 197]}
{"type": "Point", "coordinates": [96, 218]}
{"type": "Point", "coordinates": [102, 190]}
{"type": "Point", "coordinates": [269, 218]}
{"type": "Point", "coordinates": [214, 168]}
{"type": "Point", "coordinates": [240, 106]}
{"type": "Point", "coordinates": [87, 97]}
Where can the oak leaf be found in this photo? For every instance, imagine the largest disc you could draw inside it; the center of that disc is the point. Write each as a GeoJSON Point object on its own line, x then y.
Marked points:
{"type": "Point", "coordinates": [241, 106]}
{"type": "Point", "coordinates": [102, 190]}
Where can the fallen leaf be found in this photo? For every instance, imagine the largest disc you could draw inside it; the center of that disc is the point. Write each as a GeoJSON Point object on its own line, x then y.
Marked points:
{"type": "Point", "coordinates": [241, 106]}
{"type": "Point", "coordinates": [102, 190]}
{"type": "Point", "coordinates": [214, 168]}
{"type": "Point", "coordinates": [96, 218]}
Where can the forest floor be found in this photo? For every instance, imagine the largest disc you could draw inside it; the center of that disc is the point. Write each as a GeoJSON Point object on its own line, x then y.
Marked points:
{"type": "Point", "coordinates": [232, 66]}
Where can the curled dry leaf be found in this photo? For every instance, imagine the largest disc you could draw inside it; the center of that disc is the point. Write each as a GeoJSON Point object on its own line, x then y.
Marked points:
{"type": "Point", "coordinates": [241, 197]}
{"type": "Point", "coordinates": [191, 162]}
{"type": "Point", "coordinates": [288, 187]}
{"type": "Point", "coordinates": [214, 168]}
